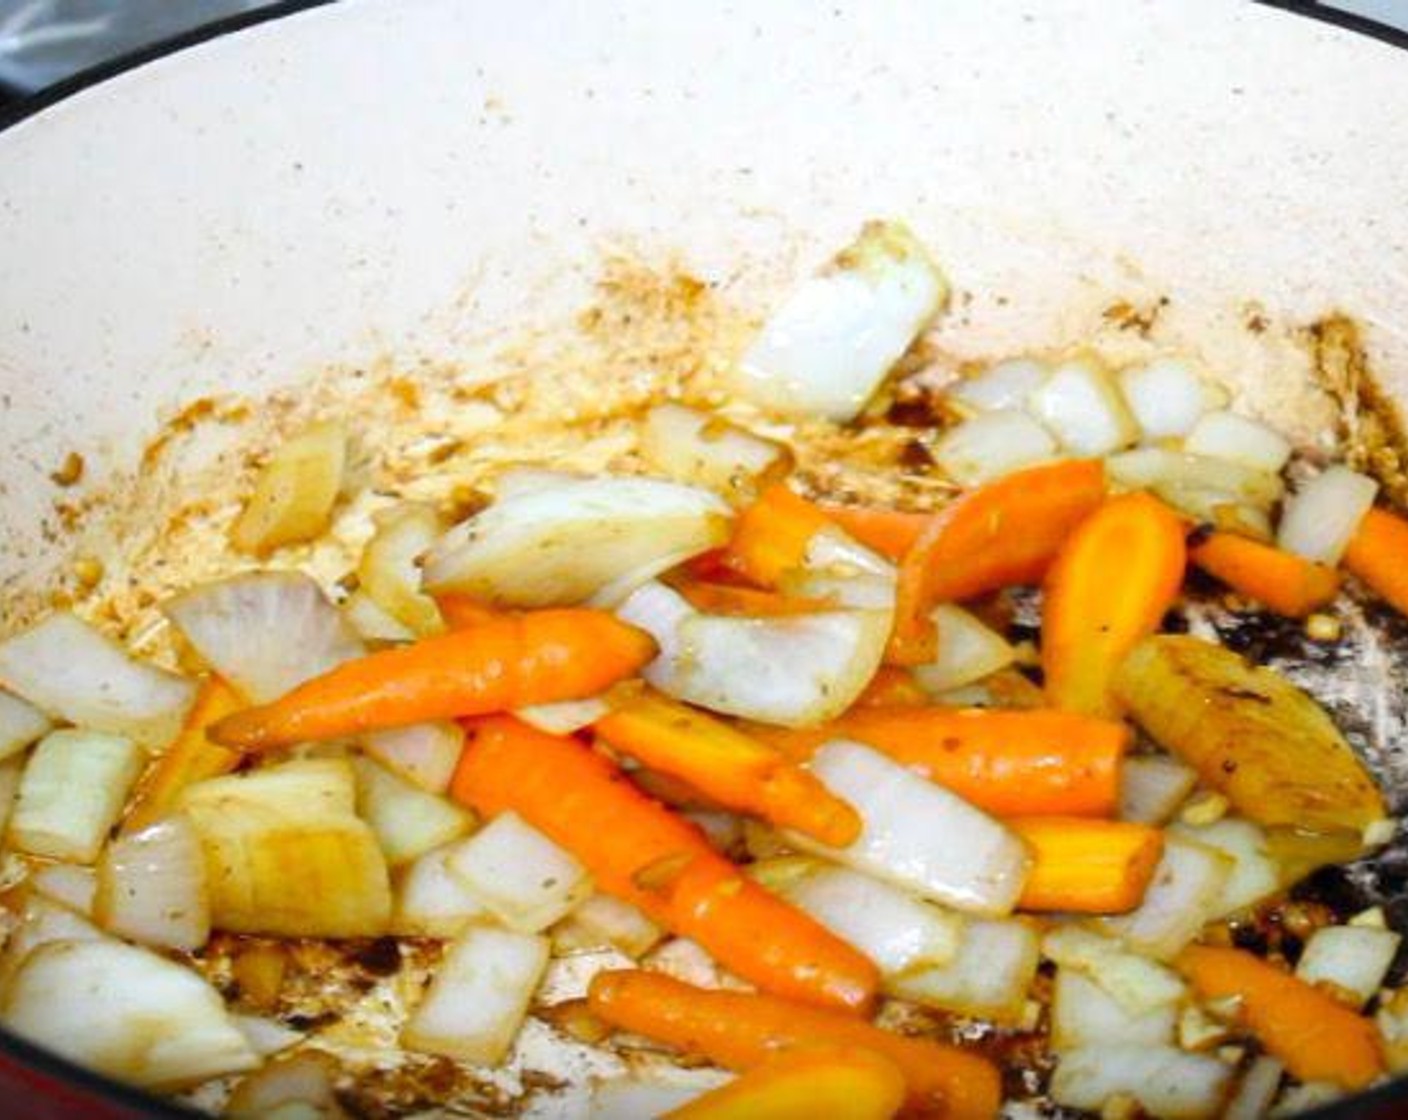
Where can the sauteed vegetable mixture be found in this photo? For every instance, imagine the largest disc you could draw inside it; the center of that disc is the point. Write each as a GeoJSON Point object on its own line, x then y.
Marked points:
{"type": "Point", "coordinates": [930, 858]}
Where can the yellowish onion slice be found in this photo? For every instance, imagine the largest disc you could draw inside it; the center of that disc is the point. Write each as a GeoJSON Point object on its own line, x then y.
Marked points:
{"type": "Point", "coordinates": [372, 622]}
{"type": "Point", "coordinates": [649, 1094]}
{"type": "Point", "coordinates": [832, 550]}
{"type": "Point", "coordinates": [407, 820]}
{"type": "Point", "coordinates": [1167, 396]}
{"type": "Point", "coordinates": [989, 977]}
{"type": "Point", "coordinates": [1173, 474]}
{"type": "Point", "coordinates": [41, 921]}
{"type": "Point", "coordinates": [693, 446]}
{"type": "Point", "coordinates": [1185, 892]}
{"type": "Point", "coordinates": [969, 650]}
{"type": "Point", "coordinates": [1139, 984]}
{"type": "Point", "coordinates": [125, 1012]}
{"type": "Point", "coordinates": [1228, 435]}
{"type": "Point", "coordinates": [1255, 873]}
{"type": "Point", "coordinates": [431, 901]}
{"type": "Point", "coordinates": [67, 884]}
{"type": "Point", "coordinates": [1319, 518]}
{"type": "Point", "coordinates": [479, 998]}
{"type": "Point", "coordinates": [295, 492]}
{"type": "Point", "coordinates": [1351, 960]}
{"type": "Point", "coordinates": [826, 349]}
{"type": "Point", "coordinates": [521, 876]}
{"type": "Point", "coordinates": [10, 772]}
{"type": "Point", "coordinates": [151, 886]}
{"type": "Point", "coordinates": [422, 753]}
{"type": "Point", "coordinates": [991, 445]}
{"type": "Point", "coordinates": [1084, 1014]}
{"type": "Point", "coordinates": [264, 632]}
{"type": "Point", "coordinates": [69, 669]}
{"type": "Point", "coordinates": [265, 1036]}
{"type": "Point", "coordinates": [1167, 1083]}
{"type": "Point", "coordinates": [601, 921]}
{"type": "Point", "coordinates": [1153, 787]}
{"type": "Point", "coordinates": [72, 792]}
{"type": "Point", "coordinates": [563, 545]}
{"type": "Point", "coordinates": [389, 571]}
{"type": "Point", "coordinates": [565, 716]}
{"type": "Point", "coordinates": [862, 590]}
{"type": "Point", "coordinates": [1080, 404]}
{"type": "Point", "coordinates": [1256, 1091]}
{"type": "Point", "coordinates": [1006, 384]}
{"type": "Point", "coordinates": [21, 724]}
{"type": "Point", "coordinates": [296, 1087]}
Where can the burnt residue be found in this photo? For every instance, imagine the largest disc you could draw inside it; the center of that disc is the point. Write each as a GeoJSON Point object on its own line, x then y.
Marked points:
{"type": "Point", "coordinates": [380, 957]}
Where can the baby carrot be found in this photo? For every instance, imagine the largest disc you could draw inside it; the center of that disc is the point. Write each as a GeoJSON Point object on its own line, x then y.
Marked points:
{"type": "Point", "coordinates": [1377, 554]}
{"type": "Point", "coordinates": [1316, 1036]}
{"type": "Point", "coordinates": [839, 1082]}
{"type": "Point", "coordinates": [889, 532]}
{"type": "Point", "coordinates": [1287, 583]}
{"type": "Point", "coordinates": [1009, 763]}
{"type": "Point", "coordinates": [772, 535]}
{"type": "Point", "coordinates": [739, 1030]}
{"type": "Point", "coordinates": [1109, 586]}
{"type": "Point", "coordinates": [1087, 866]}
{"type": "Point", "coordinates": [1001, 534]}
{"type": "Point", "coordinates": [723, 598]}
{"type": "Point", "coordinates": [509, 661]}
{"type": "Point", "coordinates": [460, 611]}
{"type": "Point", "coordinates": [639, 851]}
{"type": "Point", "coordinates": [724, 764]}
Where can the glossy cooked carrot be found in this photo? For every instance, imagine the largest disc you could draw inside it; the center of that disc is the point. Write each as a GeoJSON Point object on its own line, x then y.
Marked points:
{"type": "Point", "coordinates": [727, 766]}
{"type": "Point", "coordinates": [191, 758]}
{"type": "Point", "coordinates": [838, 1082]}
{"type": "Point", "coordinates": [741, 1031]}
{"type": "Point", "coordinates": [890, 532]}
{"type": "Point", "coordinates": [772, 535]}
{"type": "Point", "coordinates": [642, 853]}
{"type": "Point", "coordinates": [1010, 763]}
{"type": "Point", "coordinates": [1110, 586]}
{"type": "Point", "coordinates": [1378, 554]}
{"type": "Point", "coordinates": [1087, 866]}
{"type": "Point", "coordinates": [509, 661]}
{"type": "Point", "coordinates": [730, 599]}
{"type": "Point", "coordinates": [1312, 1033]}
{"type": "Point", "coordinates": [892, 687]}
{"type": "Point", "coordinates": [1289, 584]}
{"type": "Point", "coordinates": [460, 611]}
{"type": "Point", "coordinates": [999, 535]}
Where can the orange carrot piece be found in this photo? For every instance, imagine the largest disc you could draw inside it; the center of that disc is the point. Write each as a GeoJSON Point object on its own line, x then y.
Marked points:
{"type": "Point", "coordinates": [741, 1031]}
{"type": "Point", "coordinates": [1316, 1036]}
{"type": "Point", "coordinates": [1287, 583]}
{"type": "Point", "coordinates": [639, 851]}
{"type": "Point", "coordinates": [772, 535]}
{"type": "Point", "coordinates": [507, 662]}
{"type": "Point", "coordinates": [191, 758]}
{"type": "Point", "coordinates": [892, 687]}
{"type": "Point", "coordinates": [723, 598]}
{"type": "Point", "coordinates": [838, 1082]}
{"type": "Point", "coordinates": [729, 767]}
{"type": "Point", "coordinates": [890, 532]}
{"type": "Point", "coordinates": [1378, 554]}
{"type": "Point", "coordinates": [461, 611]}
{"type": "Point", "coordinates": [1087, 866]}
{"type": "Point", "coordinates": [1110, 586]}
{"type": "Point", "coordinates": [1000, 535]}
{"type": "Point", "coordinates": [1010, 763]}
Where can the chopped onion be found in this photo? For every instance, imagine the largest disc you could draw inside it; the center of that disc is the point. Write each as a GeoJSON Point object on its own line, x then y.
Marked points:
{"type": "Point", "coordinates": [693, 446]}
{"type": "Point", "coordinates": [1152, 788]}
{"type": "Point", "coordinates": [1220, 509]}
{"type": "Point", "coordinates": [265, 1036]}
{"type": "Point", "coordinates": [1185, 892]}
{"type": "Point", "coordinates": [1227, 435]}
{"type": "Point", "coordinates": [1081, 406]}
{"type": "Point", "coordinates": [479, 997]}
{"type": "Point", "coordinates": [264, 632]}
{"type": "Point", "coordinates": [73, 671]}
{"type": "Point", "coordinates": [407, 820]}
{"type": "Point", "coordinates": [151, 887]}
{"type": "Point", "coordinates": [431, 901]}
{"type": "Point", "coordinates": [1255, 874]}
{"type": "Point", "coordinates": [564, 545]}
{"type": "Point", "coordinates": [1006, 384]}
{"type": "Point", "coordinates": [72, 792]}
{"type": "Point", "coordinates": [286, 853]}
{"type": "Point", "coordinates": [565, 716]}
{"type": "Point", "coordinates": [10, 771]}
{"type": "Point", "coordinates": [21, 724]}
{"type": "Point", "coordinates": [423, 753]}
{"type": "Point", "coordinates": [515, 482]}
{"type": "Point", "coordinates": [862, 591]}
{"type": "Point", "coordinates": [295, 491]}
{"type": "Point", "coordinates": [42, 921]}
{"type": "Point", "coordinates": [1084, 1014]}
{"type": "Point", "coordinates": [1353, 960]}
{"type": "Point", "coordinates": [601, 920]}
{"type": "Point", "coordinates": [991, 445]}
{"type": "Point", "coordinates": [1139, 984]}
{"type": "Point", "coordinates": [1319, 519]}
{"type": "Point", "coordinates": [373, 623]}
{"type": "Point", "coordinates": [919, 835]}
{"type": "Point", "coordinates": [827, 348]}
{"type": "Point", "coordinates": [125, 1012]}
{"type": "Point", "coordinates": [1257, 1089]}
{"type": "Point", "coordinates": [68, 884]}
{"type": "Point", "coordinates": [968, 651]}
{"type": "Point", "coordinates": [389, 570]}
{"type": "Point", "coordinates": [526, 880]}
{"type": "Point", "coordinates": [831, 549]}
{"type": "Point", "coordinates": [1392, 1021]}
{"type": "Point", "coordinates": [297, 1087]}
{"type": "Point", "coordinates": [988, 978]}
{"type": "Point", "coordinates": [1175, 474]}
{"type": "Point", "coordinates": [1167, 396]}
{"type": "Point", "coordinates": [646, 1097]}
{"type": "Point", "coordinates": [1167, 1083]}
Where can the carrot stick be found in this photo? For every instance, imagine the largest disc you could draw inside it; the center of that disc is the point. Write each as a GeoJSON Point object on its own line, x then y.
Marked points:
{"type": "Point", "coordinates": [772, 535]}
{"type": "Point", "coordinates": [191, 758]}
{"type": "Point", "coordinates": [1001, 534]}
{"type": "Point", "coordinates": [890, 532]}
{"type": "Point", "coordinates": [892, 687]}
{"type": "Point", "coordinates": [1110, 586]}
{"type": "Point", "coordinates": [461, 611]}
{"type": "Point", "coordinates": [740, 1031]}
{"type": "Point", "coordinates": [727, 766]}
{"type": "Point", "coordinates": [1009, 763]}
{"type": "Point", "coordinates": [507, 662]}
{"type": "Point", "coordinates": [1087, 866]}
{"type": "Point", "coordinates": [839, 1082]}
{"type": "Point", "coordinates": [1316, 1036]}
{"type": "Point", "coordinates": [722, 598]}
{"type": "Point", "coordinates": [1376, 554]}
{"type": "Point", "coordinates": [642, 853]}
{"type": "Point", "coordinates": [1287, 583]}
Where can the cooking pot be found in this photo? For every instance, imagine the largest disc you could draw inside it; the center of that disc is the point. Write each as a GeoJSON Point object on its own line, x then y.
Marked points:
{"type": "Point", "coordinates": [327, 187]}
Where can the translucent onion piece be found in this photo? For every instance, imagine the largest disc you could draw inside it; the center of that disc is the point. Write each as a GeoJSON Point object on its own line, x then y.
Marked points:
{"type": "Point", "coordinates": [988, 978]}
{"type": "Point", "coordinates": [650, 1095]}
{"type": "Point", "coordinates": [1168, 1083]}
{"type": "Point", "coordinates": [67, 884]}
{"type": "Point", "coordinates": [295, 492]}
{"type": "Point", "coordinates": [422, 753]}
{"type": "Point", "coordinates": [564, 545]}
{"type": "Point", "coordinates": [297, 1087]}
{"type": "Point", "coordinates": [825, 350]}
{"type": "Point", "coordinates": [1007, 384]}
{"type": "Point", "coordinates": [1152, 788]}
{"type": "Point", "coordinates": [865, 591]}
{"type": "Point", "coordinates": [1257, 1089]}
{"type": "Point", "coordinates": [21, 724]}
{"type": "Point", "coordinates": [602, 920]}
{"type": "Point", "coordinates": [1167, 396]}
{"type": "Point", "coordinates": [918, 835]}
{"type": "Point", "coordinates": [1226, 435]}
{"type": "Point", "coordinates": [431, 901]}
{"type": "Point", "coordinates": [1353, 960]}
{"type": "Point", "coordinates": [565, 716]}
{"type": "Point", "coordinates": [264, 632]}
{"type": "Point", "coordinates": [373, 623]}
{"type": "Point", "coordinates": [1171, 474]}
{"type": "Point", "coordinates": [832, 549]}
{"type": "Point", "coordinates": [69, 669]}
{"type": "Point", "coordinates": [1186, 890]}
{"type": "Point", "coordinates": [526, 880]}
{"type": "Point", "coordinates": [968, 651]}
{"type": "Point", "coordinates": [1255, 873]}
{"type": "Point", "coordinates": [41, 921]}
{"type": "Point", "coordinates": [151, 887]}
{"type": "Point", "coordinates": [518, 481]}
{"type": "Point", "coordinates": [1081, 406]}
{"type": "Point", "coordinates": [10, 771]}
{"type": "Point", "coordinates": [125, 1012]}
{"type": "Point", "coordinates": [407, 820]}
{"type": "Point", "coordinates": [72, 792]}
{"type": "Point", "coordinates": [265, 1036]}
{"type": "Point", "coordinates": [1139, 984]}
{"type": "Point", "coordinates": [389, 571]}
{"type": "Point", "coordinates": [693, 446]}
{"type": "Point", "coordinates": [1084, 1014]}
{"type": "Point", "coordinates": [479, 997]}
{"type": "Point", "coordinates": [991, 445]}
{"type": "Point", "coordinates": [1320, 517]}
